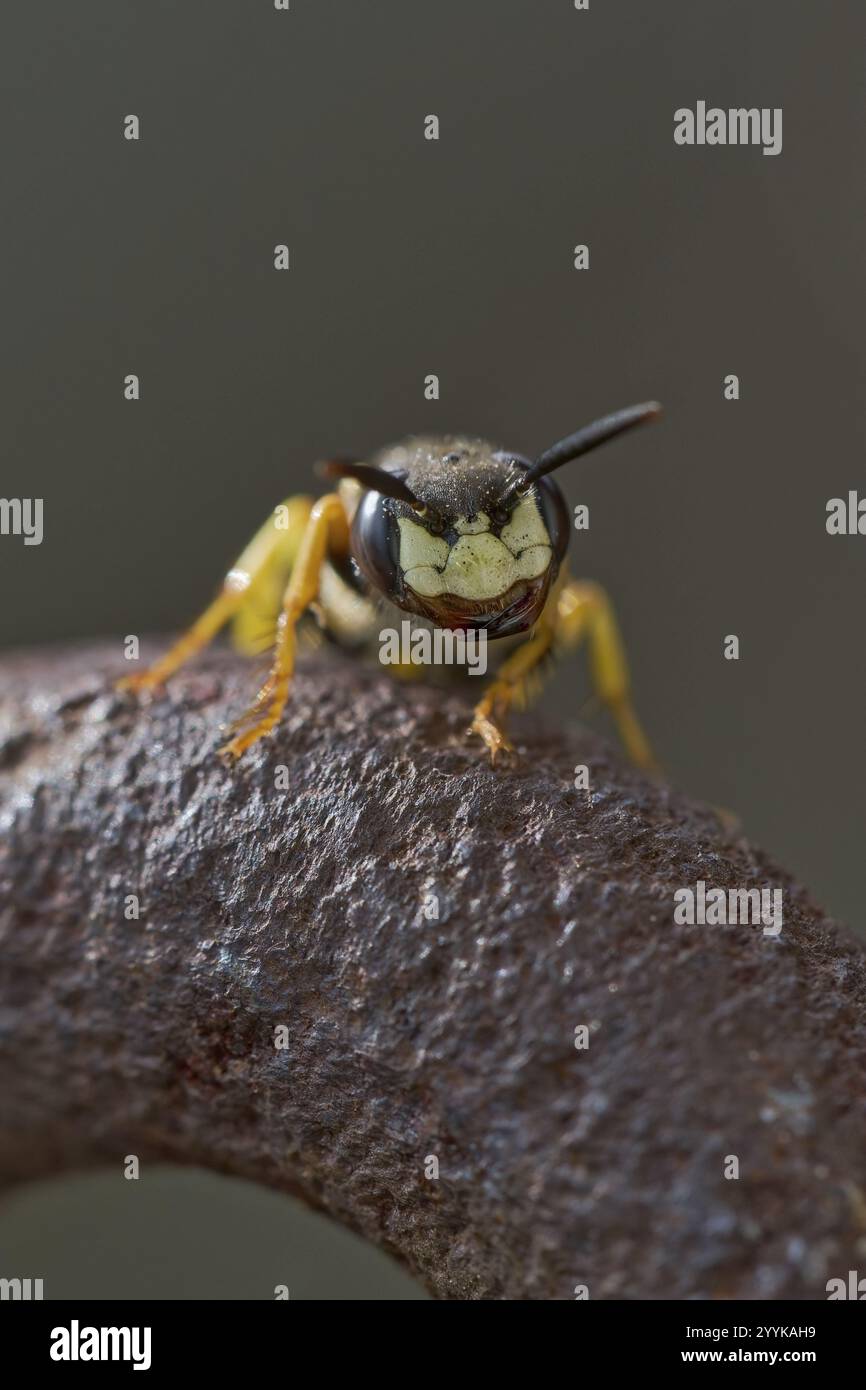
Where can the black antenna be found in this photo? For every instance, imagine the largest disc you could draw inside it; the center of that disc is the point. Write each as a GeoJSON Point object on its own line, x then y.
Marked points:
{"type": "Point", "coordinates": [374, 479]}
{"type": "Point", "coordinates": [608, 427]}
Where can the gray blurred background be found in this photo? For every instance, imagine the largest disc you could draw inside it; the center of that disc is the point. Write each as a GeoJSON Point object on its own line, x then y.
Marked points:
{"type": "Point", "coordinates": [454, 257]}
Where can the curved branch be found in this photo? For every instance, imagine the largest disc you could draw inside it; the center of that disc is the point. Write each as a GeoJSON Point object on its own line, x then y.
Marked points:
{"type": "Point", "coordinates": [428, 934]}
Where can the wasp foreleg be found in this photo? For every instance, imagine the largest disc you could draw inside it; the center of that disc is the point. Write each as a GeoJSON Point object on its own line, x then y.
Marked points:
{"type": "Point", "coordinates": [272, 549]}
{"type": "Point", "coordinates": [327, 529]}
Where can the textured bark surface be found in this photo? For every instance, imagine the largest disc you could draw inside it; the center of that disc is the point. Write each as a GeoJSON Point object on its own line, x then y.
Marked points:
{"type": "Point", "coordinates": [410, 1035]}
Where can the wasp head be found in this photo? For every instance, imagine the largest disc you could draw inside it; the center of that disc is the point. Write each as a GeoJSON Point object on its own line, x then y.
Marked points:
{"type": "Point", "coordinates": [464, 534]}
{"type": "Point", "coordinates": [452, 543]}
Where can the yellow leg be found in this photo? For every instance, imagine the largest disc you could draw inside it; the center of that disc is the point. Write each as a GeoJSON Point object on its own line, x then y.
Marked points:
{"type": "Point", "coordinates": [274, 546]}
{"type": "Point", "coordinates": [574, 611]}
{"type": "Point", "coordinates": [327, 531]}
{"type": "Point", "coordinates": [406, 670]}
{"type": "Point", "coordinates": [584, 610]}
{"type": "Point", "coordinates": [511, 684]}
{"type": "Point", "coordinates": [253, 625]}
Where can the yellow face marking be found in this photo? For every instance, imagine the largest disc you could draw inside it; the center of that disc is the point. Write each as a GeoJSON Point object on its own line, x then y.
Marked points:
{"type": "Point", "coordinates": [418, 547]}
{"type": "Point", "coordinates": [525, 527]}
{"type": "Point", "coordinates": [479, 565]}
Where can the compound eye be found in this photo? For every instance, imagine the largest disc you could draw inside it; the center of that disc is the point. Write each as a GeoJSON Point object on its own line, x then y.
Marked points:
{"type": "Point", "coordinates": [555, 514]}
{"type": "Point", "coordinates": [375, 542]}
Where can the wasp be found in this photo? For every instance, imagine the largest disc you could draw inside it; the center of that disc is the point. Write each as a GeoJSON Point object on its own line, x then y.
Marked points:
{"type": "Point", "coordinates": [453, 530]}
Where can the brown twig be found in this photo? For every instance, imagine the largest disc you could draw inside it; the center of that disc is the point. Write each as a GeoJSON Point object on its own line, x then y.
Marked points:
{"type": "Point", "coordinates": [429, 933]}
